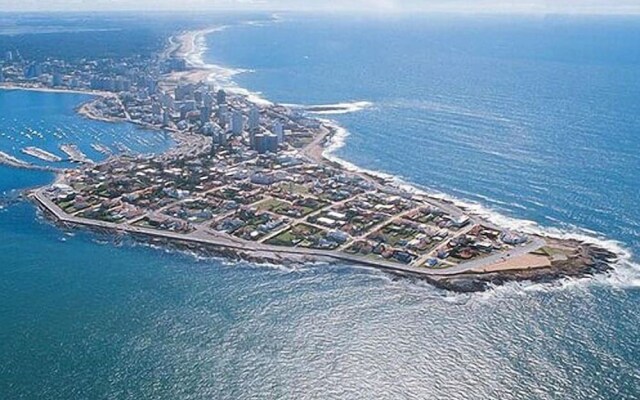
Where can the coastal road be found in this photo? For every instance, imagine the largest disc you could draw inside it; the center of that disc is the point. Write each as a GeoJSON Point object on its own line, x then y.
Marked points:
{"type": "Point", "coordinates": [223, 241]}
{"type": "Point", "coordinates": [207, 238]}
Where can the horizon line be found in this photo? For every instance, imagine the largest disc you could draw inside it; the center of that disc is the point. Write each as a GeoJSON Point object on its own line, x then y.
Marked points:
{"type": "Point", "coordinates": [635, 11]}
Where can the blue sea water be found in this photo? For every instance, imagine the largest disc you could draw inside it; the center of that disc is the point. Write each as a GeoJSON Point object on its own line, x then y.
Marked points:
{"type": "Point", "coordinates": [535, 119]}
{"type": "Point", "coordinates": [47, 120]}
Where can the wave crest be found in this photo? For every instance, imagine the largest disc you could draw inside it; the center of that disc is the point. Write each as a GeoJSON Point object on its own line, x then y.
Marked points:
{"type": "Point", "coordinates": [220, 75]}
{"type": "Point", "coordinates": [333, 109]}
{"type": "Point", "coordinates": [626, 272]}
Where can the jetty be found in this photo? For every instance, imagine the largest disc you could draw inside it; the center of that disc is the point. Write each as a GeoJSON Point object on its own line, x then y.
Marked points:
{"type": "Point", "coordinates": [75, 155]}
{"type": "Point", "coordinates": [14, 162]}
{"type": "Point", "coordinates": [122, 148]}
{"type": "Point", "coordinates": [100, 148]}
{"type": "Point", "coordinates": [41, 154]}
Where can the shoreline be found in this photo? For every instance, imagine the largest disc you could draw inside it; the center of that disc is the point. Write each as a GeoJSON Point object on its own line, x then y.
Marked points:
{"type": "Point", "coordinates": [334, 138]}
{"type": "Point", "coordinates": [237, 249]}
{"type": "Point", "coordinates": [320, 151]}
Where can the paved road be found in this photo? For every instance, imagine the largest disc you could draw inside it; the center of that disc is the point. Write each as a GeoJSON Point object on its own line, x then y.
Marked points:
{"type": "Point", "coordinates": [226, 241]}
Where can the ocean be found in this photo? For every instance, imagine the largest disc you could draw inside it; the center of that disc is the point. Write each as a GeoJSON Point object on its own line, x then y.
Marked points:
{"type": "Point", "coordinates": [531, 121]}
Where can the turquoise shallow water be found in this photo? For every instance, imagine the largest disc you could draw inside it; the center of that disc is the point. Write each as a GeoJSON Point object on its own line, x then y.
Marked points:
{"type": "Point", "coordinates": [84, 316]}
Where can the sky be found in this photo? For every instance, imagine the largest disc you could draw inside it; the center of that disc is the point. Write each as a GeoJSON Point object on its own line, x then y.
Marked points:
{"type": "Point", "coordinates": [367, 6]}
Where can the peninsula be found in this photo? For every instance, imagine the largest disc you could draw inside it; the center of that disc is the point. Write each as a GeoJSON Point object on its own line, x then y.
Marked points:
{"type": "Point", "coordinates": [250, 181]}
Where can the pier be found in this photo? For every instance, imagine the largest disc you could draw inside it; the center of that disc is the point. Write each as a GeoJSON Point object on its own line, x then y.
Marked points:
{"type": "Point", "coordinates": [100, 148]}
{"type": "Point", "coordinates": [14, 162]}
{"type": "Point", "coordinates": [75, 155]}
{"type": "Point", "coordinates": [41, 154]}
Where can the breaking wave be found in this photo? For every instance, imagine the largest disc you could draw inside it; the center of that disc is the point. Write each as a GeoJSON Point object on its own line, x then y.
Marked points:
{"type": "Point", "coordinates": [626, 272]}
{"type": "Point", "coordinates": [333, 109]}
{"type": "Point", "coordinates": [220, 75]}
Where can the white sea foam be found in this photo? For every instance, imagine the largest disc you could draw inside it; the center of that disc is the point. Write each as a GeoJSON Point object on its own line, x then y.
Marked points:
{"type": "Point", "coordinates": [220, 75]}
{"type": "Point", "coordinates": [626, 272]}
{"type": "Point", "coordinates": [333, 109]}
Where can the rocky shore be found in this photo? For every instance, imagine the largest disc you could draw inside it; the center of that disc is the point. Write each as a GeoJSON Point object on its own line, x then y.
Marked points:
{"type": "Point", "coordinates": [559, 259]}
{"type": "Point", "coordinates": [588, 261]}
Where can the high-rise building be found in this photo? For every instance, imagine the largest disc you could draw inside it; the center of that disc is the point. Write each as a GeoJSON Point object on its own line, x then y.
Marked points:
{"type": "Point", "coordinates": [198, 96]}
{"type": "Point", "coordinates": [165, 118]}
{"type": "Point", "coordinates": [278, 130]}
{"type": "Point", "coordinates": [167, 101]}
{"type": "Point", "coordinates": [1, 74]}
{"type": "Point", "coordinates": [57, 79]}
{"type": "Point", "coordinates": [205, 114]}
{"type": "Point", "coordinates": [218, 135]}
{"type": "Point", "coordinates": [152, 85]}
{"type": "Point", "coordinates": [252, 139]}
{"type": "Point", "coordinates": [237, 123]}
{"type": "Point", "coordinates": [183, 92]}
{"type": "Point", "coordinates": [122, 85]}
{"type": "Point", "coordinates": [207, 99]}
{"type": "Point", "coordinates": [107, 84]}
{"type": "Point", "coordinates": [223, 110]}
{"type": "Point", "coordinates": [207, 129]}
{"type": "Point", "coordinates": [257, 141]}
{"type": "Point", "coordinates": [33, 71]}
{"type": "Point", "coordinates": [266, 143]}
{"type": "Point", "coordinates": [222, 137]}
{"type": "Point", "coordinates": [213, 145]}
{"type": "Point", "coordinates": [254, 119]}
{"type": "Point", "coordinates": [221, 97]}
{"type": "Point", "coordinates": [186, 107]}
{"type": "Point", "coordinates": [8, 56]}
{"type": "Point", "coordinates": [156, 108]}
